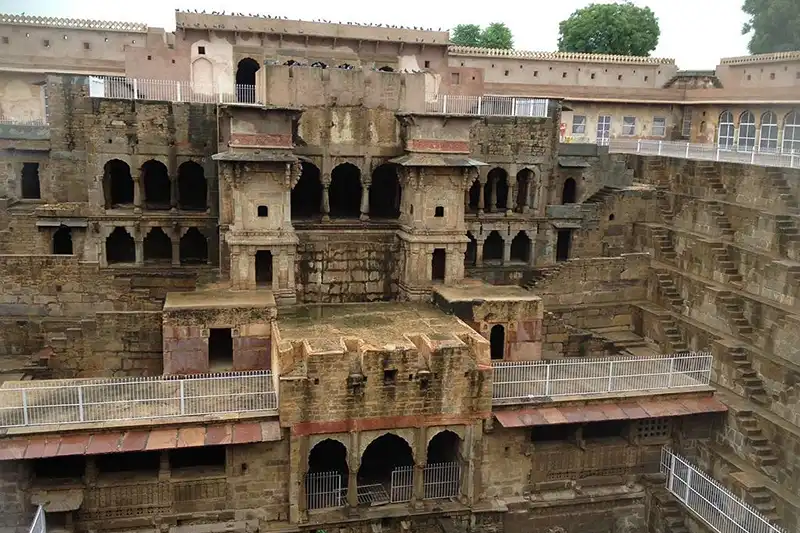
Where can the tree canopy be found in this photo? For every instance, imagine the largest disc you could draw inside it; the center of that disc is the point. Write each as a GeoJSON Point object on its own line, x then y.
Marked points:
{"type": "Point", "coordinates": [775, 25]}
{"type": "Point", "coordinates": [495, 35]}
{"type": "Point", "coordinates": [620, 29]}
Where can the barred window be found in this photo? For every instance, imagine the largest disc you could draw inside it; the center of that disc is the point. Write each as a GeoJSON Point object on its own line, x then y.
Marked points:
{"type": "Point", "coordinates": [653, 428]}
{"type": "Point", "coordinates": [659, 127]}
{"type": "Point", "coordinates": [629, 126]}
{"type": "Point", "coordinates": [579, 124]}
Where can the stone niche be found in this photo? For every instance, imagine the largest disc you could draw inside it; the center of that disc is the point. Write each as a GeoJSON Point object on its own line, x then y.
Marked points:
{"type": "Point", "coordinates": [510, 317]}
{"type": "Point", "coordinates": [217, 331]}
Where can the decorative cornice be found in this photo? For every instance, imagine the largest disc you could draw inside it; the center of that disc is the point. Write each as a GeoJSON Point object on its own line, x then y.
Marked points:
{"type": "Point", "coordinates": [761, 58]}
{"type": "Point", "coordinates": [556, 56]}
{"type": "Point", "coordinates": [73, 24]}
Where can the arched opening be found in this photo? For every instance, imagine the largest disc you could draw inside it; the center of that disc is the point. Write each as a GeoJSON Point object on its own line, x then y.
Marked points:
{"type": "Point", "coordinates": [474, 197]}
{"type": "Point", "coordinates": [442, 474]}
{"type": "Point", "coordinates": [524, 183]}
{"type": "Point", "coordinates": [345, 191]}
{"type": "Point", "coordinates": [386, 68]}
{"type": "Point", "coordinates": [769, 132]}
{"type": "Point", "coordinates": [747, 130]}
{"type": "Point", "coordinates": [385, 192]}
{"type": "Point", "coordinates": [438, 264]}
{"type": "Point", "coordinates": [117, 184]}
{"type": "Point", "coordinates": [292, 63]}
{"type": "Point", "coordinates": [727, 130]}
{"type": "Point", "coordinates": [493, 247]}
{"type": "Point", "coordinates": [246, 80]}
{"type": "Point", "coordinates": [307, 193]}
{"type": "Point", "coordinates": [120, 247]}
{"type": "Point", "coordinates": [384, 455]}
{"type": "Point", "coordinates": [157, 187]}
{"type": "Point", "coordinates": [327, 476]}
{"type": "Point", "coordinates": [444, 447]}
{"type": "Point", "coordinates": [345, 66]}
{"type": "Point", "coordinates": [220, 349]}
{"type": "Point", "coordinates": [31, 189]}
{"type": "Point", "coordinates": [193, 248]}
{"type": "Point", "coordinates": [521, 247]}
{"type": "Point", "coordinates": [192, 187]}
{"type": "Point", "coordinates": [319, 64]}
{"type": "Point", "coordinates": [569, 191]}
{"type": "Point", "coordinates": [157, 247]}
{"type": "Point", "coordinates": [497, 341]}
{"type": "Point", "coordinates": [563, 244]}
{"type": "Point", "coordinates": [471, 255]}
{"type": "Point", "coordinates": [264, 268]}
{"type": "Point", "coordinates": [62, 241]}
{"type": "Point", "coordinates": [496, 190]}
{"type": "Point", "coordinates": [791, 133]}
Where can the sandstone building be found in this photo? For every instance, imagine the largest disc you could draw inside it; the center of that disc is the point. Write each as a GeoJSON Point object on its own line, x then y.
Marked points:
{"type": "Point", "coordinates": [271, 275]}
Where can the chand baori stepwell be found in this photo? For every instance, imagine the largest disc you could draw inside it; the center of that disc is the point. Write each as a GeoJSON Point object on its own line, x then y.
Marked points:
{"type": "Point", "coordinates": [270, 275]}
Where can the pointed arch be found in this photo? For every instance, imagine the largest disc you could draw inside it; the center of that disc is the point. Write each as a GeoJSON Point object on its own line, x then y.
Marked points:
{"type": "Point", "coordinates": [157, 246]}
{"type": "Point", "coordinates": [726, 135]}
{"type": "Point", "coordinates": [120, 247]}
{"type": "Point", "coordinates": [117, 184]}
{"type": "Point", "coordinates": [769, 132]}
{"type": "Point", "coordinates": [307, 193]}
{"type": "Point", "coordinates": [747, 130]}
{"type": "Point", "coordinates": [192, 187]}
{"type": "Point", "coordinates": [791, 133]}
{"type": "Point", "coordinates": [157, 185]}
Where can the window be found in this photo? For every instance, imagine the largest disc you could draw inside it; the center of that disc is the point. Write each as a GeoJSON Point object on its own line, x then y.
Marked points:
{"type": "Point", "coordinates": [646, 78]}
{"type": "Point", "coordinates": [427, 64]}
{"type": "Point", "coordinates": [659, 127]}
{"type": "Point", "coordinates": [629, 126]}
{"type": "Point", "coordinates": [201, 50]}
{"type": "Point", "coordinates": [30, 181]}
{"type": "Point", "coordinates": [605, 430]}
{"type": "Point", "coordinates": [747, 130]}
{"type": "Point", "coordinates": [686, 126]}
{"type": "Point", "coordinates": [727, 131]}
{"type": "Point", "coordinates": [46, 43]}
{"type": "Point", "coordinates": [5, 40]}
{"type": "Point", "coordinates": [553, 433]}
{"type": "Point", "coordinates": [619, 77]}
{"type": "Point", "coordinates": [263, 211]}
{"type": "Point", "coordinates": [769, 132]}
{"type": "Point", "coordinates": [535, 73]}
{"type": "Point", "coordinates": [505, 73]}
{"type": "Point", "coordinates": [87, 46]}
{"type": "Point", "coordinates": [149, 58]}
{"type": "Point", "coordinates": [593, 75]}
{"type": "Point", "coordinates": [390, 376]}
{"type": "Point", "coordinates": [772, 76]}
{"type": "Point", "coordinates": [791, 132]}
{"type": "Point", "coordinates": [579, 124]}
{"type": "Point", "coordinates": [653, 429]}
{"type": "Point", "coordinates": [603, 129]}
{"type": "Point", "coordinates": [455, 78]}
{"type": "Point", "coordinates": [563, 74]}
{"type": "Point", "coordinates": [439, 211]}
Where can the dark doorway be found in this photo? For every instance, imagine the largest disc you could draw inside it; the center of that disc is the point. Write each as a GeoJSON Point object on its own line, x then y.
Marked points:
{"type": "Point", "coordinates": [563, 244]}
{"type": "Point", "coordinates": [497, 341]}
{"type": "Point", "coordinates": [307, 193]}
{"type": "Point", "coordinates": [220, 349]}
{"type": "Point", "coordinates": [117, 184]}
{"type": "Point", "coordinates": [524, 183]}
{"type": "Point", "coordinates": [438, 264]}
{"type": "Point", "coordinates": [444, 447]}
{"type": "Point", "coordinates": [246, 80]}
{"type": "Point", "coordinates": [157, 187]}
{"type": "Point", "coordinates": [328, 475]}
{"type": "Point", "coordinates": [381, 457]}
{"type": "Point", "coordinates": [30, 181]}
{"type": "Point", "coordinates": [62, 241]}
{"type": "Point", "coordinates": [474, 197]}
{"type": "Point", "coordinates": [384, 193]}
{"type": "Point", "coordinates": [328, 456]}
{"type": "Point", "coordinates": [157, 247]}
{"type": "Point", "coordinates": [471, 255]}
{"type": "Point", "coordinates": [120, 247]}
{"type": "Point", "coordinates": [264, 268]}
{"type": "Point", "coordinates": [493, 247]}
{"type": "Point", "coordinates": [569, 193]}
{"type": "Point", "coordinates": [521, 247]}
{"type": "Point", "coordinates": [192, 187]}
{"type": "Point", "coordinates": [193, 248]}
{"type": "Point", "coordinates": [496, 182]}
{"type": "Point", "coordinates": [345, 191]}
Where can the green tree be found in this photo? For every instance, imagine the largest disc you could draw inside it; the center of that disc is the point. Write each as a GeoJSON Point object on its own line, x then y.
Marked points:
{"type": "Point", "coordinates": [497, 35]}
{"type": "Point", "coordinates": [775, 25]}
{"type": "Point", "coordinates": [466, 35]}
{"type": "Point", "coordinates": [621, 29]}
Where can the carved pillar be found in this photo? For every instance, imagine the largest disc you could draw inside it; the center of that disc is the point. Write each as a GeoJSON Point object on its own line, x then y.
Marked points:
{"type": "Point", "coordinates": [492, 195]}
{"type": "Point", "coordinates": [139, 242]}
{"type": "Point", "coordinates": [511, 198]}
{"type": "Point", "coordinates": [137, 192]}
{"type": "Point", "coordinates": [534, 237]}
{"type": "Point", "coordinates": [507, 250]}
{"type": "Point", "coordinates": [353, 463]}
{"type": "Point", "coordinates": [173, 192]}
{"type": "Point", "coordinates": [176, 250]}
{"type": "Point", "coordinates": [365, 185]}
{"type": "Point", "coordinates": [482, 196]}
{"type": "Point", "coordinates": [326, 202]}
{"type": "Point", "coordinates": [479, 252]}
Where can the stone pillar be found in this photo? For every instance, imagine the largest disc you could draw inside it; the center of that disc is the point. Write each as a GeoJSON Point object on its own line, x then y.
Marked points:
{"type": "Point", "coordinates": [326, 202]}
{"type": "Point", "coordinates": [533, 235]}
{"type": "Point", "coordinates": [209, 193]}
{"type": "Point", "coordinates": [352, 490]}
{"type": "Point", "coordinates": [176, 249]}
{"type": "Point", "coordinates": [418, 482]}
{"type": "Point", "coordinates": [353, 463]}
{"type": "Point", "coordinates": [511, 198]}
{"type": "Point", "coordinates": [507, 250]}
{"type": "Point", "coordinates": [466, 201]}
{"type": "Point", "coordinates": [482, 196]}
{"type": "Point", "coordinates": [365, 185]}
{"type": "Point", "coordinates": [479, 252]}
{"type": "Point", "coordinates": [493, 195]}
{"type": "Point", "coordinates": [173, 192]}
{"type": "Point", "coordinates": [137, 192]}
{"type": "Point", "coordinates": [139, 242]}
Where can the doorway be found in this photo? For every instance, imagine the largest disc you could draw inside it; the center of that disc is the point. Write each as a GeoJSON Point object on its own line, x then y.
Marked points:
{"type": "Point", "coordinates": [220, 349]}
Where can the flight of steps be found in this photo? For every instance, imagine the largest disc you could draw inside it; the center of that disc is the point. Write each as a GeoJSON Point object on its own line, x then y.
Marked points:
{"type": "Point", "coordinates": [709, 172]}
{"type": "Point", "coordinates": [601, 196]}
{"type": "Point", "coordinates": [725, 263]}
{"type": "Point", "coordinates": [669, 291]}
{"type": "Point", "coordinates": [664, 206]}
{"type": "Point", "coordinates": [663, 243]}
{"type": "Point", "coordinates": [733, 305]}
{"type": "Point", "coordinates": [761, 499]}
{"type": "Point", "coordinates": [764, 456]}
{"type": "Point", "coordinates": [542, 274]}
{"type": "Point", "coordinates": [787, 231]}
{"type": "Point", "coordinates": [779, 185]}
{"type": "Point", "coordinates": [672, 336]}
{"type": "Point", "coordinates": [670, 510]}
{"type": "Point", "coordinates": [721, 220]}
{"type": "Point", "coordinates": [747, 377]}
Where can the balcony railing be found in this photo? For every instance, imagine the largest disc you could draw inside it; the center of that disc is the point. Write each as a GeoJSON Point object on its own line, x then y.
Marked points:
{"type": "Point", "coordinates": [170, 91]}
{"type": "Point", "coordinates": [519, 382]}
{"type": "Point", "coordinates": [707, 152]}
{"type": "Point", "coordinates": [38, 524]}
{"type": "Point", "coordinates": [500, 106]}
{"type": "Point", "coordinates": [46, 402]}
{"type": "Point", "coordinates": [14, 121]}
{"type": "Point", "coordinates": [714, 504]}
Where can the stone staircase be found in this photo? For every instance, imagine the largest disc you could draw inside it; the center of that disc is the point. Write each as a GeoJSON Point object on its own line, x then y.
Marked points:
{"type": "Point", "coordinates": [787, 231]}
{"type": "Point", "coordinates": [747, 377]}
{"type": "Point", "coordinates": [663, 243]}
{"type": "Point", "coordinates": [710, 173]}
{"type": "Point", "coordinates": [672, 335]}
{"type": "Point", "coordinates": [665, 208]}
{"type": "Point", "coordinates": [671, 511]}
{"type": "Point", "coordinates": [763, 454]}
{"type": "Point", "coordinates": [726, 264]}
{"type": "Point", "coordinates": [733, 305]}
{"type": "Point", "coordinates": [761, 499]}
{"type": "Point", "coordinates": [669, 291]}
{"type": "Point", "coordinates": [781, 188]}
{"type": "Point", "coordinates": [601, 195]}
{"type": "Point", "coordinates": [721, 221]}
{"type": "Point", "coordinates": [542, 274]}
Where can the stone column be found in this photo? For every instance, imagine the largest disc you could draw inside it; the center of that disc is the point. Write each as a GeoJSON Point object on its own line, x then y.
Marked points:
{"type": "Point", "coordinates": [365, 185]}
{"type": "Point", "coordinates": [209, 195]}
{"type": "Point", "coordinates": [418, 482]}
{"type": "Point", "coordinates": [511, 198]}
{"type": "Point", "coordinates": [479, 252]}
{"type": "Point", "coordinates": [173, 192]}
{"type": "Point", "coordinates": [533, 235]}
{"type": "Point", "coordinates": [353, 463]}
{"type": "Point", "coordinates": [137, 192]}
{"type": "Point", "coordinates": [493, 195]}
{"type": "Point", "coordinates": [326, 202]}
{"type": "Point", "coordinates": [482, 196]}
{"type": "Point", "coordinates": [507, 250]}
{"type": "Point", "coordinates": [176, 249]}
{"type": "Point", "coordinates": [139, 241]}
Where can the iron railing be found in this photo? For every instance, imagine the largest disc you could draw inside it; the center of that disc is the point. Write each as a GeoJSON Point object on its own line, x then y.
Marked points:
{"type": "Point", "coordinates": [708, 152]}
{"type": "Point", "coordinates": [324, 490]}
{"type": "Point", "coordinates": [38, 525]}
{"type": "Point", "coordinates": [504, 106]}
{"type": "Point", "coordinates": [47, 402]}
{"type": "Point", "coordinates": [442, 480]}
{"type": "Point", "coordinates": [529, 380]}
{"type": "Point", "coordinates": [709, 500]}
{"type": "Point", "coordinates": [170, 91]}
{"type": "Point", "coordinates": [13, 121]}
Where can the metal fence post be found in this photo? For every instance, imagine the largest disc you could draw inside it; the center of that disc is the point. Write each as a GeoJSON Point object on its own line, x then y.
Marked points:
{"type": "Point", "coordinates": [547, 381]}
{"type": "Point", "coordinates": [135, 89]}
{"type": "Point", "coordinates": [610, 374]}
{"type": "Point", "coordinates": [444, 104]}
{"type": "Point", "coordinates": [671, 371]}
{"type": "Point", "coordinates": [25, 417]}
{"type": "Point", "coordinates": [80, 404]}
{"type": "Point", "coordinates": [179, 90]}
{"type": "Point", "coordinates": [671, 478]}
{"type": "Point", "coordinates": [660, 147]}
{"type": "Point", "coordinates": [688, 144]}
{"type": "Point", "coordinates": [183, 397]}
{"type": "Point", "coordinates": [638, 145]}
{"type": "Point", "coordinates": [480, 104]}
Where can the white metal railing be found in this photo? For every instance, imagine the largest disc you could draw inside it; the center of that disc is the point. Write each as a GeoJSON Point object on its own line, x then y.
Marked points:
{"type": "Point", "coordinates": [169, 91]}
{"type": "Point", "coordinates": [708, 499]}
{"type": "Point", "coordinates": [38, 525]}
{"type": "Point", "coordinates": [504, 106]}
{"type": "Point", "coordinates": [402, 486]}
{"type": "Point", "coordinates": [12, 121]}
{"type": "Point", "coordinates": [442, 480]}
{"type": "Point", "coordinates": [708, 152]}
{"type": "Point", "coordinates": [324, 490]}
{"type": "Point", "coordinates": [103, 400]}
{"type": "Point", "coordinates": [529, 380]}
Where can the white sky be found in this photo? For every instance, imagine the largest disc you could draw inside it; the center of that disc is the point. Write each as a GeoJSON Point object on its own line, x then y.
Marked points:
{"type": "Point", "coordinates": [697, 33]}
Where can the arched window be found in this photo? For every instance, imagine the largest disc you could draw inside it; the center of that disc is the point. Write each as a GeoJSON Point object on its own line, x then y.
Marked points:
{"type": "Point", "coordinates": [524, 184]}
{"type": "Point", "coordinates": [307, 193]}
{"type": "Point", "coordinates": [117, 184]}
{"type": "Point", "coordinates": [521, 247]}
{"type": "Point", "coordinates": [157, 247]}
{"type": "Point", "coordinates": [327, 476]}
{"type": "Point", "coordinates": [791, 132]}
{"type": "Point", "coordinates": [30, 181]}
{"type": "Point", "coordinates": [769, 132]}
{"type": "Point", "coordinates": [442, 474]}
{"type": "Point", "coordinates": [474, 197]}
{"type": "Point", "coordinates": [569, 192]}
{"type": "Point", "coordinates": [120, 247]}
{"type": "Point", "coordinates": [496, 190]}
{"type": "Point", "coordinates": [727, 130]}
{"type": "Point", "coordinates": [191, 187]}
{"type": "Point", "coordinates": [385, 456]}
{"type": "Point", "coordinates": [62, 241]}
{"type": "Point", "coordinates": [497, 341]}
{"type": "Point", "coordinates": [345, 191]}
{"type": "Point", "coordinates": [157, 186]}
{"type": "Point", "coordinates": [471, 255]}
{"type": "Point", "coordinates": [246, 80]}
{"type": "Point", "coordinates": [747, 130]}
{"type": "Point", "coordinates": [493, 247]}
{"type": "Point", "coordinates": [193, 248]}
{"type": "Point", "coordinates": [385, 192]}
{"type": "Point", "coordinates": [563, 244]}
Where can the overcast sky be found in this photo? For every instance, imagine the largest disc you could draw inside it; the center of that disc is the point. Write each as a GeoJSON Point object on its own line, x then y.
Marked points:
{"type": "Point", "coordinates": [697, 33]}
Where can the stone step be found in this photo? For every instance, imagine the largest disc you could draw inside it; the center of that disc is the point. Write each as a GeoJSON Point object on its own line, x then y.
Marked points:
{"type": "Point", "coordinates": [760, 399]}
